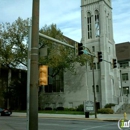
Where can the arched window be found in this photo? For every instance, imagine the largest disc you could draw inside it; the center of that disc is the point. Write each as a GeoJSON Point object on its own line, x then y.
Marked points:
{"type": "Point", "coordinates": [96, 23]}
{"type": "Point", "coordinates": [89, 25]}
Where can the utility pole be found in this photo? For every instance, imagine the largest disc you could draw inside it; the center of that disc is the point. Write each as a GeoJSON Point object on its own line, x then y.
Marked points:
{"type": "Point", "coordinates": [33, 105]}
{"type": "Point", "coordinates": [28, 73]}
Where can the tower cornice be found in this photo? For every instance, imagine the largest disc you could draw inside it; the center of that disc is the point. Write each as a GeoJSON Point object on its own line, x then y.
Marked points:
{"type": "Point", "coordinates": [107, 2]}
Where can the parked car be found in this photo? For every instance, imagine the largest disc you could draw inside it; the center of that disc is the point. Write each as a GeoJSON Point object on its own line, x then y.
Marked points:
{"type": "Point", "coordinates": [5, 112]}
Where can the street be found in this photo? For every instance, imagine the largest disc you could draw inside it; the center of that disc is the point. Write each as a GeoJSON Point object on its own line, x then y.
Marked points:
{"type": "Point", "coordinates": [19, 123]}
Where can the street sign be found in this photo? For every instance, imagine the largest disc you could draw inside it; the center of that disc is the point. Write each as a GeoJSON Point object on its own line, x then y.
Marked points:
{"type": "Point", "coordinates": [88, 106]}
{"type": "Point", "coordinates": [87, 53]}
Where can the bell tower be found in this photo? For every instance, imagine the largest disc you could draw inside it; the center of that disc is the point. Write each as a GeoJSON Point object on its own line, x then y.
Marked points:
{"type": "Point", "coordinates": [97, 35]}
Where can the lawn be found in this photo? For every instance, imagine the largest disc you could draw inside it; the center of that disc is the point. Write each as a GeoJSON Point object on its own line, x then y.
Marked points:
{"type": "Point", "coordinates": [62, 112]}
{"type": "Point", "coordinates": [56, 112]}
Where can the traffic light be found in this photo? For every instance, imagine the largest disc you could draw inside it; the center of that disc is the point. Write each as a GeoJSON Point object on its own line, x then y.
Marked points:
{"type": "Point", "coordinates": [43, 75]}
{"type": "Point", "coordinates": [114, 63]}
{"type": "Point", "coordinates": [80, 48]}
{"type": "Point", "coordinates": [99, 56]}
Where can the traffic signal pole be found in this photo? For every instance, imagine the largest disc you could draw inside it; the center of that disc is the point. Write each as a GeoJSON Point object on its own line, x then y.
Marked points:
{"type": "Point", "coordinates": [94, 93]}
{"type": "Point", "coordinates": [55, 40]}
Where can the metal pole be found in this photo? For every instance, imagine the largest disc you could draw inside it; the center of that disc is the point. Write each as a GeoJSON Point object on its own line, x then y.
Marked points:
{"type": "Point", "coordinates": [55, 40]}
{"type": "Point", "coordinates": [28, 74]}
{"type": "Point", "coordinates": [94, 89]}
{"type": "Point", "coordinates": [92, 57]}
{"type": "Point", "coordinates": [33, 105]}
{"type": "Point", "coordinates": [121, 83]}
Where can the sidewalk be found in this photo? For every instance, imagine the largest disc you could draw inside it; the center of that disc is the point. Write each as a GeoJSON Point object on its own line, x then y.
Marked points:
{"type": "Point", "coordinates": [105, 117]}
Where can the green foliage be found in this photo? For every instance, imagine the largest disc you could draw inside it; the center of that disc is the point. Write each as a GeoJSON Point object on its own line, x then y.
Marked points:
{"type": "Point", "coordinates": [69, 109]}
{"type": "Point", "coordinates": [13, 43]}
{"type": "Point", "coordinates": [51, 31]}
{"type": "Point", "coordinates": [60, 57]}
{"type": "Point", "coordinates": [105, 111]}
{"type": "Point", "coordinates": [13, 47]}
{"type": "Point", "coordinates": [109, 105]}
{"type": "Point", "coordinates": [62, 112]}
{"type": "Point", "coordinates": [80, 108]}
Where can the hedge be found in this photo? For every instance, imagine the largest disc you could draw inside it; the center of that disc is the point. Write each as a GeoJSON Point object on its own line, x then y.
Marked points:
{"type": "Point", "coordinates": [105, 111]}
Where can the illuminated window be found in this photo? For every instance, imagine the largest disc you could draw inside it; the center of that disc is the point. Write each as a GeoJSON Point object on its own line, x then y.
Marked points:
{"type": "Point", "coordinates": [125, 90]}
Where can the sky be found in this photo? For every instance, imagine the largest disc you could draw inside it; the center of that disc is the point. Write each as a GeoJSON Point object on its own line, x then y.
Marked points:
{"type": "Point", "coordinates": [67, 16]}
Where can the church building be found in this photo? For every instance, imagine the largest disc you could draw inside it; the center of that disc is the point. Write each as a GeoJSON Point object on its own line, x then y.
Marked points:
{"type": "Point", "coordinates": [97, 36]}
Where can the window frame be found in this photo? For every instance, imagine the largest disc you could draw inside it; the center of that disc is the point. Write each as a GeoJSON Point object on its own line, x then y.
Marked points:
{"type": "Point", "coordinates": [125, 76]}
{"type": "Point", "coordinates": [125, 90]}
{"type": "Point", "coordinates": [89, 25]}
{"type": "Point", "coordinates": [97, 26]}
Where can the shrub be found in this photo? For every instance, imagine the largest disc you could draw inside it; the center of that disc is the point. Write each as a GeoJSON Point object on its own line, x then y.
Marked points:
{"type": "Point", "coordinates": [48, 108]}
{"type": "Point", "coordinates": [71, 109]}
{"type": "Point", "coordinates": [105, 111]}
{"type": "Point", "coordinates": [66, 109]}
{"type": "Point", "coordinates": [109, 105]}
{"type": "Point", "coordinates": [60, 108]}
{"type": "Point", "coordinates": [80, 108]}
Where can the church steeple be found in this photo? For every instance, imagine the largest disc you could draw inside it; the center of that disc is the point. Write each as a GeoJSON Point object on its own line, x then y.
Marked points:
{"type": "Point", "coordinates": [97, 35]}
{"type": "Point", "coordinates": [97, 18]}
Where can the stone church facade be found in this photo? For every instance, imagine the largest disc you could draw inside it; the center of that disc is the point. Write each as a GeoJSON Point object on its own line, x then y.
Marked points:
{"type": "Point", "coordinates": [97, 35]}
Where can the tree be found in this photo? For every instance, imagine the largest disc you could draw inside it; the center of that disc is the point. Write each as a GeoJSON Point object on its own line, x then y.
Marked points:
{"type": "Point", "coordinates": [13, 51]}
{"type": "Point", "coordinates": [13, 48]}
{"type": "Point", "coordinates": [60, 57]}
{"type": "Point", "coordinates": [13, 43]}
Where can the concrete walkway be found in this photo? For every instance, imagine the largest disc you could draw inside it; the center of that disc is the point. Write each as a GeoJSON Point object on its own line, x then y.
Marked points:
{"type": "Point", "coordinates": [109, 117]}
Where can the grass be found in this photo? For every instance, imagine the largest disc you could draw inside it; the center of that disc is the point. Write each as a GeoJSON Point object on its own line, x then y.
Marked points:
{"type": "Point", "coordinates": [62, 112]}
{"type": "Point", "coordinates": [57, 112]}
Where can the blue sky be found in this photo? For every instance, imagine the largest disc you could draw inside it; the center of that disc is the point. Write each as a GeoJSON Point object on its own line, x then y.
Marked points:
{"type": "Point", "coordinates": [67, 16]}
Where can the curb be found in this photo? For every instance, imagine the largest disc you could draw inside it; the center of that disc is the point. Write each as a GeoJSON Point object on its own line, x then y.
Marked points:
{"type": "Point", "coordinates": [94, 119]}
{"type": "Point", "coordinates": [111, 120]}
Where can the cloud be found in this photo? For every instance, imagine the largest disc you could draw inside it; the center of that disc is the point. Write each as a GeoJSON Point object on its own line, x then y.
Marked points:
{"type": "Point", "coordinates": [66, 15]}
{"type": "Point", "coordinates": [12, 9]}
{"type": "Point", "coordinates": [121, 20]}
